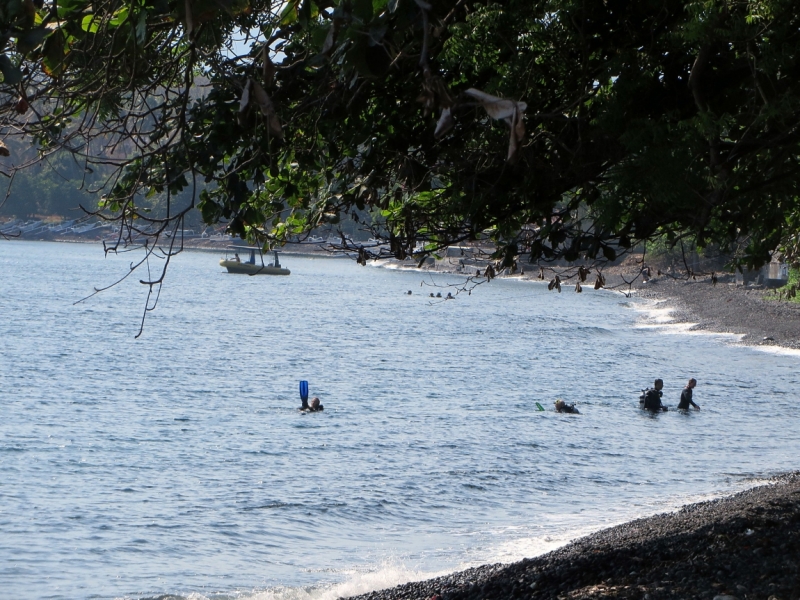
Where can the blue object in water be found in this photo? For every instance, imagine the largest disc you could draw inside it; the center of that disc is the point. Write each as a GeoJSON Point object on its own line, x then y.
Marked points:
{"type": "Point", "coordinates": [304, 391]}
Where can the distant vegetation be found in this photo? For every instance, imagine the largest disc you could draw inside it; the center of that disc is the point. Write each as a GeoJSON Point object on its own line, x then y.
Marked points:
{"type": "Point", "coordinates": [789, 291]}
{"type": "Point", "coordinates": [58, 187]}
{"type": "Point", "coordinates": [50, 188]}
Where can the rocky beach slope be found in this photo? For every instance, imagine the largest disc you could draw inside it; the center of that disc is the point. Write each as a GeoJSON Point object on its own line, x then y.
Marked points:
{"type": "Point", "coordinates": [727, 308]}
{"type": "Point", "coordinates": [744, 546]}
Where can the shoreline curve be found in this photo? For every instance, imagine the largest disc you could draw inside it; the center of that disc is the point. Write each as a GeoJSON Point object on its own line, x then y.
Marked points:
{"type": "Point", "coordinates": [737, 547]}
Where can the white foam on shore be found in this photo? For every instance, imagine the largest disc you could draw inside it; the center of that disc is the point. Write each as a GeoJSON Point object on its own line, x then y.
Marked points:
{"type": "Point", "coordinates": [392, 266]}
{"type": "Point", "coordinates": [780, 350]}
{"type": "Point", "coordinates": [514, 550]}
{"type": "Point", "coordinates": [394, 571]}
{"type": "Point", "coordinates": [656, 314]}
{"type": "Point", "coordinates": [387, 575]}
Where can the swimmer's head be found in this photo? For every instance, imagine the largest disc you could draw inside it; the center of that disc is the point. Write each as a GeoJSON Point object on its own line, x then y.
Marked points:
{"type": "Point", "coordinates": [315, 402]}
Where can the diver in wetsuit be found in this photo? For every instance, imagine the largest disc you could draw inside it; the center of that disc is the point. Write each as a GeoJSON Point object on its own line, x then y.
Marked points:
{"type": "Point", "coordinates": [686, 396]}
{"type": "Point", "coordinates": [563, 407]}
{"type": "Point", "coordinates": [651, 399]}
{"type": "Point", "coordinates": [313, 406]}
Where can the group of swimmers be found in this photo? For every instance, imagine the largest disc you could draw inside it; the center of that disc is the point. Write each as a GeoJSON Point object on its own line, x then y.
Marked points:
{"type": "Point", "coordinates": [438, 295]}
{"type": "Point", "coordinates": [651, 398]}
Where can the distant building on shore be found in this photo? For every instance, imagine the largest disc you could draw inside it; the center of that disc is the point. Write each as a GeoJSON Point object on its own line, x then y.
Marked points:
{"type": "Point", "coordinates": [774, 274]}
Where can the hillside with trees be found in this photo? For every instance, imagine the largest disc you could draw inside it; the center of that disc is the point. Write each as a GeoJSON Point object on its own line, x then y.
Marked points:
{"type": "Point", "coordinates": [55, 187]}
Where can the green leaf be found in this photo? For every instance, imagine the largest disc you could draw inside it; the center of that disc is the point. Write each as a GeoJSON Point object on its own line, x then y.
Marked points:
{"type": "Point", "coordinates": [54, 54]}
{"type": "Point", "coordinates": [363, 10]}
{"type": "Point", "coordinates": [28, 40]}
{"type": "Point", "coordinates": [289, 13]}
{"type": "Point", "coordinates": [141, 27]}
{"type": "Point", "coordinates": [90, 24]}
{"type": "Point", "coordinates": [376, 34]}
{"type": "Point", "coordinates": [305, 13]}
{"type": "Point", "coordinates": [357, 57]}
{"type": "Point", "coordinates": [11, 73]}
{"type": "Point", "coordinates": [68, 6]}
{"type": "Point", "coordinates": [119, 17]}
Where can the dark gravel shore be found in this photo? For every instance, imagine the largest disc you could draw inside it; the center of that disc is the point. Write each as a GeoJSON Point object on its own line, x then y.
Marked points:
{"type": "Point", "coordinates": [727, 308]}
{"type": "Point", "coordinates": [744, 546]}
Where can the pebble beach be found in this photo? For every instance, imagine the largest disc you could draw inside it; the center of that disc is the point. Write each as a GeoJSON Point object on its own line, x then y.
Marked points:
{"type": "Point", "coordinates": [755, 314]}
{"type": "Point", "coordinates": [744, 546]}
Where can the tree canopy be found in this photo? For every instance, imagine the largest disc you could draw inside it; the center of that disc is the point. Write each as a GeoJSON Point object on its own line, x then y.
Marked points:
{"type": "Point", "coordinates": [555, 128]}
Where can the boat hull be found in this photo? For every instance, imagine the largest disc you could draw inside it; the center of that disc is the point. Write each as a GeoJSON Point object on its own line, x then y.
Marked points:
{"type": "Point", "coordinates": [241, 268]}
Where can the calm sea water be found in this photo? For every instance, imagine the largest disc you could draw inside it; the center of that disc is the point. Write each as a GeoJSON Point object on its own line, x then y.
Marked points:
{"type": "Point", "coordinates": [178, 464]}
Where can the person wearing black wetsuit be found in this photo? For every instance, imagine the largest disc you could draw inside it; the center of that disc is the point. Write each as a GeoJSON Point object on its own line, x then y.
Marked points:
{"type": "Point", "coordinates": [563, 407]}
{"type": "Point", "coordinates": [686, 396]}
{"type": "Point", "coordinates": [313, 407]}
{"type": "Point", "coordinates": [651, 399]}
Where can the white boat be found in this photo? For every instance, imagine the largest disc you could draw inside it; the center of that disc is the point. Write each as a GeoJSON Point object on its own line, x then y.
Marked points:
{"type": "Point", "coordinates": [31, 226]}
{"type": "Point", "coordinates": [10, 227]}
{"type": "Point", "coordinates": [252, 265]}
{"type": "Point", "coordinates": [79, 229]}
{"type": "Point", "coordinates": [62, 227]}
{"type": "Point", "coordinates": [338, 242]}
{"type": "Point", "coordinates": [377, 246]}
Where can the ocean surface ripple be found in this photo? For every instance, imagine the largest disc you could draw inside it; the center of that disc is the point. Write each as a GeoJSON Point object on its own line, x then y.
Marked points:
{"type": "Point", "coordinates": [178, 463]}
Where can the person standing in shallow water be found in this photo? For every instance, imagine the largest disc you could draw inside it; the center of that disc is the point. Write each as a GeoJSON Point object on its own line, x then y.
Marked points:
{"type": "Point", "coordinates": [651, 399]}
{"type": "Point", "coordinates": [686, 396]}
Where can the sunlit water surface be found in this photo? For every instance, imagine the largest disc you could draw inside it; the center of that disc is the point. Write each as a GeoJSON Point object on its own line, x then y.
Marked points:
{"type": "Point", "coordinates": [178, 464]}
